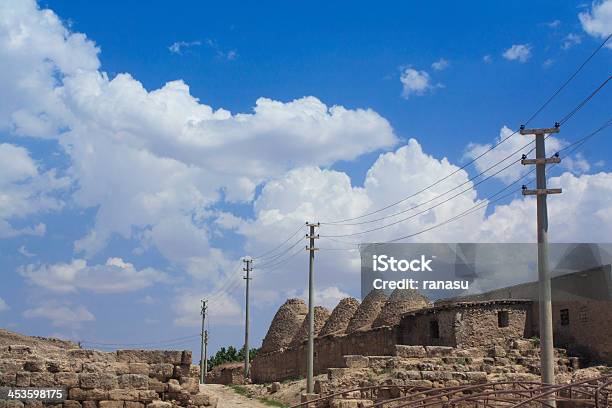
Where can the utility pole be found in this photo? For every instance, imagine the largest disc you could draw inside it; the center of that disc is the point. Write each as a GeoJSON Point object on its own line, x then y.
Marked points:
{"type": "Point", "coordinates": [247, 269]}
{"type": "Point", "coordinates": [310, 358]}
{"type": "Point", "coordinates": [544, 285]}
{"type": "Point", "coordinates": [203, 343]}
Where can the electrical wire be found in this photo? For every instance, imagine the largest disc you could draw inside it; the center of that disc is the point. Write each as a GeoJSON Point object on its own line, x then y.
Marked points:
{"type": "Point", "coordinates": [533, 116]}
{"type": "Point", "coordinates": [442, 194]}
{"type": "Point", "coordinates": [487, 201]}
{"type": "Point", "coordinates": [264, 255]}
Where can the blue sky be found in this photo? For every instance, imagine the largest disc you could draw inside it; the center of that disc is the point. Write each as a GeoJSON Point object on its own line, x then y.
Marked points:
{"type": "Point", "coordinates": [140, 162]}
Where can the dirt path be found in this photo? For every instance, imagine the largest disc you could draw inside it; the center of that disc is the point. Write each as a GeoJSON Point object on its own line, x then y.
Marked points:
{"type": "Point", "coordinates": [229, 399]}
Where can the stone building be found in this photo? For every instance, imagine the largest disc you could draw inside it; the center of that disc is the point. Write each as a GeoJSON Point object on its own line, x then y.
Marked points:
{"type": "Point", "coordinates": [473, 324]}
{"type": "Point", "coordinates": [581, 306]}
{"type": "Point", "coordinates": [464, 325]}
{"type": "Point", "coordinates": [285, 325]}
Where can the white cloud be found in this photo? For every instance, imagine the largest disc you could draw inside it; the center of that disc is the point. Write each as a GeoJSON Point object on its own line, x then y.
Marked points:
{"type": "Point", "coordinates": [113, 277]}
{"type": "Point", "coordinates": [416, 82]}
{"type": "Point", "coordinates": [512, 149]}
{"type": "Point", "coordinates": [61, 315]}
{"type": "Point", "coordinates": [25, 191]}
{"type": "Point", "coordinates": [162, 153]}
{"type": "Point", "coordinates": [548, 63]}
{"type": "Point", "coordinates": [179, 46]}
{"type": "Point", "coordinates": [554, 24]}
{"type": "Point", "coordinates": [24, 251]}
{"type": "Point", "coordinates": [571, 40]}
{"type": "Point", "coordinates": [487, 59]}
{"type": "Point", "coordinates": [328, 297]}
{"type": "Point", "coordinates": [3, 306]}
{"type": "Point", "coordinates": [577, 164]}
{"type": "Point", "coordinates": [440, 65]}
{"type": "Point", "coordinates": [597, 22]}
{"type": "Point", "coordinates": [518, 52]}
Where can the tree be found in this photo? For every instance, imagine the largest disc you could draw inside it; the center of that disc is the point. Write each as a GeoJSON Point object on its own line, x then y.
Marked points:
{"type": "Point", "coordinates": [229, 355]}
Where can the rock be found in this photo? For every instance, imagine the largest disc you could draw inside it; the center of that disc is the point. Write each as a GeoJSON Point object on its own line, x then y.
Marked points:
{"type": "Point", "coordinates": [203, 399]}
{"type": "Point", "coordinates": [111, 404]}
{"type": "Point", "coordinates": [274, 387]}
{"type": "Point", "coordinates": [190, 384]}
{"type": "Point", "coordinates": [159, 404]}
{"type": "Point", "coordinates": [438, 351]}
{"type": "Point", "coordinates": [497, 351]}
{"type": "Point", "coordinates": [136, 381]}
{"type": "Point", "coordinates": [410, 351]}
{"type": "Point", "coordinates": [174, 386]}
{"type": "Point", "coordinates": [356, 361]}
{"type": "Point", "coordinates": [120, 394]}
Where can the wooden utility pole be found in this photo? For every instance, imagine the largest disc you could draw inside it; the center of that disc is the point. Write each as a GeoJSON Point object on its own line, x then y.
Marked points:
{"type": "Point", "coordinates": [248, 278]}
{"type": "Point", "coordinates": [203, 344]}
{"type": "Point", "coordinates": [547, 357]}
{"type": "Point", "coordinates": [310, 358]}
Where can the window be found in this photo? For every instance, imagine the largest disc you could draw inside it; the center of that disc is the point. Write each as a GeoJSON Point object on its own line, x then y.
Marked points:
{"type": "Point", "coordinates": [434, 329]}
{"type": "Point", "coordinates": [564, 317]}
{"type": "Point", "coordinates": [502, 318]}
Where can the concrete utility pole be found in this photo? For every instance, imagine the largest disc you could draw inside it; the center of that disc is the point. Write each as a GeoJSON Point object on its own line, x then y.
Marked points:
{"type": "Point", "coordinates": [310, 358]}
{"type": "Point", "coordinates": [203, 344]}
{"type": "Point", "coordinates": [247, 269]}
{"type": "Point", "coordinates": [545, 301]}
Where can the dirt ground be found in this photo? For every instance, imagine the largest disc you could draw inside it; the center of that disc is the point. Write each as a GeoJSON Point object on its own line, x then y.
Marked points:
{"type": "Point", "coordinates": [228, 398]}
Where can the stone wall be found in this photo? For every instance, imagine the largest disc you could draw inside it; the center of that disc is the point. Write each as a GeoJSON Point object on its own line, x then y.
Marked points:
{"type": "Point", "coordinates": [585, 330]}
{"type": "Point", "coordinates": [473, 324]}
{"type": "Point", "coordinates": [94, 379]}
{"type": "Point", "coordinates": [329, 352]}
{"type": "Point", "coordinates": [226, 374]}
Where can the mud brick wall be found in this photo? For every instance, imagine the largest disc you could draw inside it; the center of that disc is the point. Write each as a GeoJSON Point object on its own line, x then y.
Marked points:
{"type": "Point", "coordinates": [472, 325]}
{"type": "Point", "coordinates": [329, 352]}
{"type": "Point", "coordinates": [586, 329]}
{"type": "Point", "coordinates": [480, 326]}
{"type": "Point", "coordinates": [94, 379]}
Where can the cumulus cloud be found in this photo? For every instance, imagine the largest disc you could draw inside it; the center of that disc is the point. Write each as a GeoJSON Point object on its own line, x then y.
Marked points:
{"type": "Point", "coordinates": [61, 315]}
{"type": "Point", "coordinates": [113, 277]}
{"type": "Point", "coordinates": [440, 65]}
{"type": "Point", "coordinates": [508, 152]}
{"type": "Point", "coordinates": [3, 306]}
{"type": "Point", "coordinates": [597, 22]}
{"type": "Point", "coordinates": [416, 82]}
{"type": "Point", "coordinates": [487, 59]}
{"type": "Point", "coordinates": [25, 190]}
{"type": "Point", "coordinates": [164, 154]}
{"type": "Point", "coordinates": [518, 52]}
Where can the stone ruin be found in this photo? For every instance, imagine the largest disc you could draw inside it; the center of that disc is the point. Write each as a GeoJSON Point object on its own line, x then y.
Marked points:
{"type": "Point", "coordinates": [286, 323]}
{"type": "Point", "coordinates": [340, 317]}
{"type": "Point", "coordinates": [401, 301]}
{"type": "Point", "coordinates": [367, 311]}
{"type": "Point", "coordinates": [96, 379]}
{"type": "Point", "coordinates": [321, 316]}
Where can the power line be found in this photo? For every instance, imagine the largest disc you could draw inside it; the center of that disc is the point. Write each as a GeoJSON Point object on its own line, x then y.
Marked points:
{"type": "Point", "coordinates": [584, 102]}
{"type": "Point", "coordinates": [439, 195]}
{"type": "Point", "coordinates": [273, 260]}
{"type": "Point", "coordinates": [425, 210]}
{"type": "Point", "coordinates": [487, 201]}
{"type": "Point", "coordinates": [264, 255]}
{"type": "Point", "coordinates": [179, 339]}
{"type": "Point", "coordinates": [554, 95]}
{"type": "Point", "coordinates": [536, 113]}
